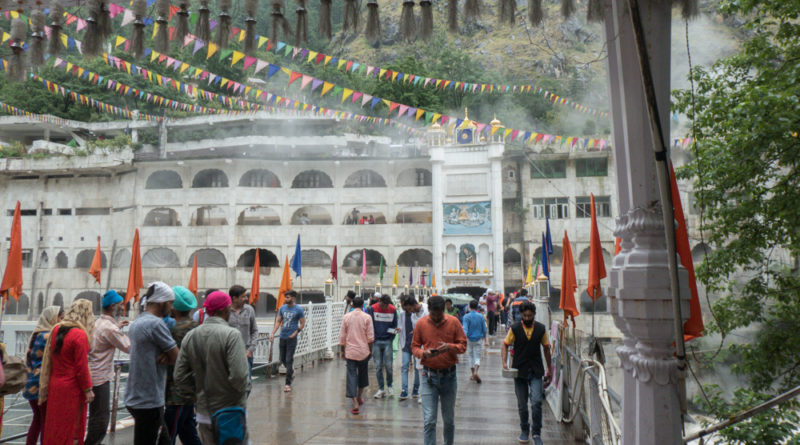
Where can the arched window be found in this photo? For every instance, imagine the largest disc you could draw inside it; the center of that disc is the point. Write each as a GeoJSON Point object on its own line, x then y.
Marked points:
{"type": "Point", "coordinates": [18, 307]}
{"type": "Point", "coordinates": [39, 303]}
{"type": "Point", "coordinates": [44, 261]}
{"type": "Point", "coordinates": [314, 258]}
{"type": "Point", "coordinates": [160, 257]}
{"type": "Point", "coordinates": [122, 258]}
{"type": "Point", "coordinates": [511, 256]}
{"type": "Point", "coordinates": [584, 257]}
{"type": "Point", "coordinates": [162, 217]}
{"type": "Point", "coordinates": [415, 215]}
{"type": "Point", "coordinates": [61, 260]}
{"type": "Point", "coordinates": [85, 257]}
{"type": "Point", "coordinates": [58, 300]}
{"type": "Point", "coordinates": [211, 177]}
{"type": "Point", "coordinates": [415, 257]}
{"type": "Point", "coordinates": [414, 177]}
{"type": "Point", "coordinates": [353, 260]}
{"type": "Point", "coordinates": [209, 216]}
{"type": "Point", "coordinates": [208, 258]}
{"type": "Point", "coordinates": [554, 259]}
{"type": "Point", "coordinates": [312, 179]}
{"type": "Point", "coordinates": [364, 215]}
{"type": "Point", "coordinates": [259, 178]}
{"type": "Point", "coordinates": [311, 215]}
{"type": "Point", "coordinates": [164, 179]}
{"type": "Point", "coordinates": [94, 297]}
{"type": "Point", "coordinates": [259, 216]}
{"type": "Point", "coordinates": [266, 259]}
{"type": "Point", "coordinates": [365, 178]}
{"type": "Point", "coordinates": [699, 252]}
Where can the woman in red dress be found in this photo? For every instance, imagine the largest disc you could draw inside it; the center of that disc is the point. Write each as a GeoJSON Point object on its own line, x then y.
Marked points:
{"type": "Point", "coordinates": [64, 382]}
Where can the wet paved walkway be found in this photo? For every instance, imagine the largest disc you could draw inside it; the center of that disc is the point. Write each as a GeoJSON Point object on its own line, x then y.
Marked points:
{"type": "Point", "coordinates": [316, 412]}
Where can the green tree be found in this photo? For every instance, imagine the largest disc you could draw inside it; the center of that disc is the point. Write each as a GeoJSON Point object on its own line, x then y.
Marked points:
{"type": "Point", "coordinates": [746, 115]}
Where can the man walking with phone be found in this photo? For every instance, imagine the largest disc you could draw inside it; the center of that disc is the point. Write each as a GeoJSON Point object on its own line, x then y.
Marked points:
{"type": "Point", "coordinates": [438, 339]}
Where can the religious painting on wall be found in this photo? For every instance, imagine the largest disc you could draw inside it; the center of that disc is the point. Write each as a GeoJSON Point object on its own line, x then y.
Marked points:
{"type": "Point", "coordinates": [470, 218]}
{"type": "Point", "coordinates": [467, 258]}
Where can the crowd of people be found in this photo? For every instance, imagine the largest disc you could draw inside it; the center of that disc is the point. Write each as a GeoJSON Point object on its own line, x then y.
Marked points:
{"type": "Point", "coordinates": [190, 374]}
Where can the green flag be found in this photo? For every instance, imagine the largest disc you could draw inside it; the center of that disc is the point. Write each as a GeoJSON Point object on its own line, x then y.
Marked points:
{"type": "Point", "coordinates": [380, 272]}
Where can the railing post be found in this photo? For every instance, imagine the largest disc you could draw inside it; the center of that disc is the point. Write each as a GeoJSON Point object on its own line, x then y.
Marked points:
{"type": "Point", "coordinates": [115, 399]}
{"type": "Point", "coordinates": [328, 354]}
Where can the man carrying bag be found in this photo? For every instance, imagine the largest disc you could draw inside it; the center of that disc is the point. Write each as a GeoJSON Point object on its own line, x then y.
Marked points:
{"type": "Point", "coordinates": [213, 364]}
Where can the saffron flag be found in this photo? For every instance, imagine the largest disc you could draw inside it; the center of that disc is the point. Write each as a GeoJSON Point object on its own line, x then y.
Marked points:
{"type": "Point", "coordinates": [297, 261]}
{"type": "Point", "coordinates": [433, 280]}
{"type": "Point", "coordinates": [12, 278]}
{"type": "Point", "coordinates": [97, 263]}
{"type": "Point", "coordinates": [394, 280]}
{"type": "Point", "coordinates": [363, 265]}
{"type": "Point", "coordinates": [693, 327]}
{"type": "Point", "coordinates": [545, 264]}
{"type": "Point", "coordinates": [193, 278]}
{"type": "Point", "coordinates": [256, 284]}
{"type": "Point", "coordinates": [286, 284]}
{"type": "Point", "coordinates": [135, 282]}
{"type": "Point", "coordinates": [569, 284]}
{"type": "Point", "coordinates": [617, 246]}
{"type": "Point", "coordinates": [597, 266]}
{"type": "Point", "coordinates": [334, 266]}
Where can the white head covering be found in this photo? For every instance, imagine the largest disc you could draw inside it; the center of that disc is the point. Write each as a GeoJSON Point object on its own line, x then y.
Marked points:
{"type": "Point", "coordinates": [161, 293]}
{"type": "Point", "coordinates": [377, 295]}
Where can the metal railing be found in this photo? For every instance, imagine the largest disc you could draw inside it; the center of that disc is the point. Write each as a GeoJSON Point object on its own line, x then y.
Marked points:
{"type": "Point", "coordinates": [580, 394]}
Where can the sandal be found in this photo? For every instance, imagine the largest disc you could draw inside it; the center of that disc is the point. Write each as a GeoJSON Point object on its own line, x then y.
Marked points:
{"type": "Point", "coordinates": [355, 411]}
{"type": "Point", "coordinates": [287, 388]}
{"type": "Point", "coordinates": [360, 401]}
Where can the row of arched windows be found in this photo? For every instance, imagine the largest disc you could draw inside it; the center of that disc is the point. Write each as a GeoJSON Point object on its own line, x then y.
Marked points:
{"type": "Point", "coordinates": [266, 216]}
{"type": "Point", "coordinates": [512, 256]}
{"type": "Point", "coordinates": [212, 177]}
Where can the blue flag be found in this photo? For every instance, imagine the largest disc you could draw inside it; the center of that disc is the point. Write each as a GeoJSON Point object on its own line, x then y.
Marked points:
{"type": "Point", "coordinates": [545, 264]}
{"type": "Point", "coordinates": [549, 239]}
{"type": "Point", "coordinates": [297, 261]}
{"type": "Point", "coordinates": [411, 276]}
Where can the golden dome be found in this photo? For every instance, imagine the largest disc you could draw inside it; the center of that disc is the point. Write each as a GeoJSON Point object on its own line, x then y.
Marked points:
{"type": "Point", "coordinates": [495, 122]}
{"type": "Point", "coordinates": [467, 122]}
{"type": "Point", "coordinates": [435, 127]}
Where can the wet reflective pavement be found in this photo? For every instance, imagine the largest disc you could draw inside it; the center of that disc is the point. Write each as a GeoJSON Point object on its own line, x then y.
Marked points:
{"type": "Point", "coordinates": [316, 411]}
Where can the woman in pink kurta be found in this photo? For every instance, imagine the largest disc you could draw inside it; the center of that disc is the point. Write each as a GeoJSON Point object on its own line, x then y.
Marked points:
{"type": "Point", "coordinates": [68, 385]}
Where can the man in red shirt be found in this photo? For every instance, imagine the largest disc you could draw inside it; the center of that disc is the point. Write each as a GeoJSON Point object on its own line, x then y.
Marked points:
{"type": "Point", "coordinates": [438, 339]}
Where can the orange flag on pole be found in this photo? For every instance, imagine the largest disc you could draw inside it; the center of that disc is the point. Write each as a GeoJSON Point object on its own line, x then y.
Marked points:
{"type": "Point", "coordinates": [286, 284]}
{"type": "Point", "coordinates": [135, 272]}
{"type": "Point", "coordinates": [254, 288]}
{"type": "Point", "coordinates": [97, 263]}
{"type": "Point", "coordinates": [193, 277]}
{"type": "Point", "coordinates": [12, 278]}
{"type": "Point", "coordinates": [693, 327]}
{"type": "Point", "coordinates": [597, 266]}
{"type": "Point", "coordinates": [569, 284]}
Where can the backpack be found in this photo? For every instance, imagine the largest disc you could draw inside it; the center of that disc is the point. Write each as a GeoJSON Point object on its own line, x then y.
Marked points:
{"type": "Point", "coordinates": [16, 374]}
{"type": "Point", "coordinates": [515, 314]}
{"type": "Point", "coordinates": [229, 426]}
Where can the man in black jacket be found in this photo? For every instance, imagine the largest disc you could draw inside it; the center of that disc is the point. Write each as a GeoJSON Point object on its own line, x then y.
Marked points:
{"type": "Point", "coordinates": [529, 339]}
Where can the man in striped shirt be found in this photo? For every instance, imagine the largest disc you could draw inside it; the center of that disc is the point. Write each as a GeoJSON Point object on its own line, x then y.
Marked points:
{"type": "Point", "coordinates": [107, 338]}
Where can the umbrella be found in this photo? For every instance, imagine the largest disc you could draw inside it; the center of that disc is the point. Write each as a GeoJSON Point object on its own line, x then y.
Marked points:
{"type": "Point", "coordinates": [458, 298]}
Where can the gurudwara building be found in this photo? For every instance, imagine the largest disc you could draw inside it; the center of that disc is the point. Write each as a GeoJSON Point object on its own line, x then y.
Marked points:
{"type": "Point", "coordinates": [453, 205]}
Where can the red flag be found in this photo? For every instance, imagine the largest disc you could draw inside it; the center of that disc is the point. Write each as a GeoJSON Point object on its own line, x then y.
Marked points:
{"type": "Point", "coordinates": [97, 264]}
{"type": "Point", "coordinates": [12, 278]}
{"type": "Point", "coordinates": [286, 283]}
{"type": "Point", "coordinates": [569, 284]}
{"type": "Point", "coordinates": [193, 277]}
{"type": "Point", "coordinates": [254, 288]}
{"type": "Point", "coordinates": [597, 267]}
{"type": "Point", "coordinates": [135, 272]}
{"type": "Point", "coordinates": [334, 266]}
{"type": "Point", "coordinates": [693, 327]}
{"type": "Point", "coordinates": [617, 246]}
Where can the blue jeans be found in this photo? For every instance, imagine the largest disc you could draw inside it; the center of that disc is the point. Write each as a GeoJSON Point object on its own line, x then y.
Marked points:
{"type": "Point", "coordinates": [408, 362]}
{"type": "Point", "coordinates": [181, 423]}
{"type": "Point", "coordinates": [382, 354]}
{"type": "Point", "coordinates": [530, 388]}
{"type": "Point", "coordinates": [439, 387]}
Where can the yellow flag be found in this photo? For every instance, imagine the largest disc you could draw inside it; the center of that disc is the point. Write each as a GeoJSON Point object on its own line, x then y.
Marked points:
{"type": "Point", "coordinates": [328, 59]}
{"type": "Point", "coordinates": [120, 40]}
{"type": "Point", "coordinates": [212, 48]}
{"type": "Point", "coordinates": [311, 56]}
{"type": "Point", "coordinates": [394, 280]}
{"type": "Point", "coordinates": [153, 55]}
{"type": "Point", "coordinates": [529, 277]}
{"type": "Point", "coordinates": [241, 36]}
{"type": "Point", "coordinates": [237, 56]}
{"type": "Point", "coordinates": [346, 93]}
{"type": "Point", "coordinates": [261, 41]}
{"type": "Point", "coordinates": [326, 86]}
{"type": "Point", "coordinates": [341, 62]}
{"type": "Point", "coordinates": [394, 76]}
{"type": "Point", "coordinates": [419, 114]}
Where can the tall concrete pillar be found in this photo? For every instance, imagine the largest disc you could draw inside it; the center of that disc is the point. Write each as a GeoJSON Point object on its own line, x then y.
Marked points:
{"type": "Point", "coordinates": [496, 178]}
{"type": "Point", "coordinates": [437, 225]}
{"type": "Point", "coordinates": [640, 298]}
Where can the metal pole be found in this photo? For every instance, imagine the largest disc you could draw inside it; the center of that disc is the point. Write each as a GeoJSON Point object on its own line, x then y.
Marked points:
{"type": "Point", "coordinates": [111, 265]}
{"type": "Point", "coordinates": [115, 400]}
{"type": "Point", "coordinates": [661, 153]}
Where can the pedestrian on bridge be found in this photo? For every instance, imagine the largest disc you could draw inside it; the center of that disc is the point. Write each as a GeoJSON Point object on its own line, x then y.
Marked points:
{"type": "Point", "coordinates": [529, 339]}
{"type": "Point", "coordinates": [475, 330]}
{"type": "Point", "coordinates": [212, 363]}
{"type": "Point", "coordinates": [412, 312]}
{"type": "Point", "coordinates": [107, 338]}
{"type": "Point", "coordinates": [33, 359]}
{"type": "Point", "coordinates": [438, 339]}
{"type": "Point", "coordinates": [356, 337]}
{"type": "Point", "coordinates": [384, 320]}
{"type": "Point", "coordinates": [291, 320]}
{"type": "Point", "coordinates": [243, 318]}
